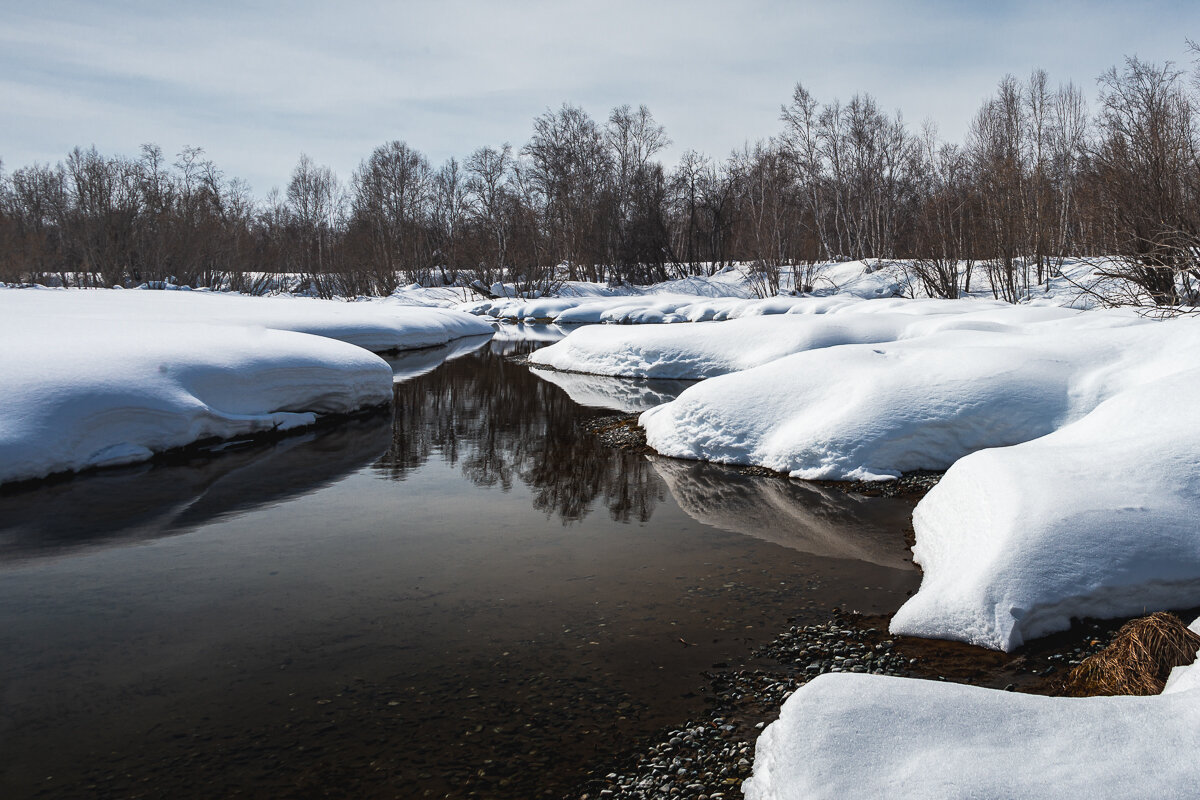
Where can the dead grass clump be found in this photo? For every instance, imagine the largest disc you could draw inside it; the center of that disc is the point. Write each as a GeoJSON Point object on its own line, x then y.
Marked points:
{"type": "Point", "coordinates": [1139, 659]}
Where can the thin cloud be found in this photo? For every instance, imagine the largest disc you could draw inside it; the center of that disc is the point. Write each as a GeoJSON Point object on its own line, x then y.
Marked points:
{"type": "Point", "coordinates": [257, 83]}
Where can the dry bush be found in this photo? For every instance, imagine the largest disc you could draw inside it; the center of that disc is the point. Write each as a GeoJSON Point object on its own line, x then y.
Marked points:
{"type": "Point", "coordinates": [1139, 659]}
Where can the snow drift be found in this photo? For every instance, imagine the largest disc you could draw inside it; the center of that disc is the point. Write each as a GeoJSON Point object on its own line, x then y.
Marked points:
{"type": "Point", "coordinates": [101, 377]}
{"type": "Point", "coordinates": [848, 735]}
{"type": "Point", "coordinates": [80, 393]}
{"type": "Point", "coordinates": [1095, 519]}
{"type": "Point", "coordinates": [873, 411]}
{"type": "Point", "coordinates": [703, 351]}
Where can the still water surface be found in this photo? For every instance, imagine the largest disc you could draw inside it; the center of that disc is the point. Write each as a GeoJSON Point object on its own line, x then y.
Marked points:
{"type": "Point", "coordinates": [468, 597]}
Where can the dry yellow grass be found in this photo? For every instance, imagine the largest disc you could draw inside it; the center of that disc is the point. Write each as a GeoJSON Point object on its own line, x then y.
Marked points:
{"type": "Point", "coordinates": [1138, 660]}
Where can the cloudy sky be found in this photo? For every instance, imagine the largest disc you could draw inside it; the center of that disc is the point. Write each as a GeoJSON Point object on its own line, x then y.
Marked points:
{"type": "Point", "coordinates": [257, 83]}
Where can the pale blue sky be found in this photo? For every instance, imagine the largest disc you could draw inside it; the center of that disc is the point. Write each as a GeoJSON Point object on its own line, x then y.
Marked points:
{"type": "Point", "coordinates": [256, 83]}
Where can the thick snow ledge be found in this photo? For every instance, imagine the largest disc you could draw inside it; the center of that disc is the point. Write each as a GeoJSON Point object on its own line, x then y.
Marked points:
{"type": "Point", "coordinates": [81, 393]}
{"type": "Point", "coordinates": [92, 378]}
{"type": "Point", "coordinates": [1095, 519]}
{"type": "Point", "coordinates": [874, 411]}
{"type": "Point", "coordinates": [848, 735]}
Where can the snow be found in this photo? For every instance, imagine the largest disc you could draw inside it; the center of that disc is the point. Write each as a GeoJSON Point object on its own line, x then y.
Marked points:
{"type": "Point", "coordinates": [1095, 519]}
{"type": "Point", "coordinates": [1059, 428]}
{"type": "Point", "coordinates": [378, 326]}
{"type": "Point", "coordinates": [1072, 480]}
{"type": "Point", "coordinates": [706, 350]}
{"type": "Point", "coordinates": [1186, 677]}
{"type": "Point", "coordinates": [735, 292]}
{"type": "Point", "coordinates": [873, 411]}
{"type": "Point", "coordinates": [96, 378]}
{"type": "Point", "coordinates": [87, 392]}
{"type": "Point", "coordinates": [851, 735]}
{"type": "Point", "coordinates": [656, 308]}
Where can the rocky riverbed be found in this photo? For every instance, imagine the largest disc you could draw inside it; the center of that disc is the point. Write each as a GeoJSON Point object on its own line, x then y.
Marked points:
{"type": "Point", "coordinates": [709, 758]}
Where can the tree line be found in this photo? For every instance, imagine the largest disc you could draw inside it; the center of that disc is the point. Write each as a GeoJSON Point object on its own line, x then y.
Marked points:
{"type": "Point", "coordinates": [1039, 177]}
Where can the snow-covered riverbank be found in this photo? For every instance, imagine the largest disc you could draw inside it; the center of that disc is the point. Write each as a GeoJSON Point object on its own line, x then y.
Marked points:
{"type": "Point", "coordinates": [98, 378]}
{"type": "Point", "coordinates": [844, 735]}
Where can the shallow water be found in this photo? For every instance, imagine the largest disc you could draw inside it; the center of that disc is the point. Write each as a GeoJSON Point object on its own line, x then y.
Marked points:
{"type": "Point", "coordinates": [471, 597]}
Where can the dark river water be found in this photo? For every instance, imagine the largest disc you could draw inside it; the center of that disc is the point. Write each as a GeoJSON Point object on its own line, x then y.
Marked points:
{"type": "Point", "coordinates": [470, 596]}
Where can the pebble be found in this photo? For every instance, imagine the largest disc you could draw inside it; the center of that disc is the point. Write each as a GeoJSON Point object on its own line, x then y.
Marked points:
{"type": "Point", "coordinates": [712, 758]}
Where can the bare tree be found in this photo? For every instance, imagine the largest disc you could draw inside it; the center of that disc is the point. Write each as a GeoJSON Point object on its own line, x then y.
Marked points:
{"type": "Point", "coordinates": [943, 247]}
{"type": "Point", "coordinates": [489, 172]}
{"type": "Point", "coordinates": [390, 195]}
{"type": "Point", "coordinates": [1146, 163]}
{"type": "Point", "coordinates": [315, 203]}
{"type": "Point", "coordinates": [570, 167]}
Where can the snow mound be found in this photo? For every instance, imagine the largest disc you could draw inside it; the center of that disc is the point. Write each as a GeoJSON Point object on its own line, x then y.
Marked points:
{"type": "Point", "coordinates": [873, 411]}
{"type": "Point", "coordinates": [80, 393]}
{"type": "Point", "coordinates": [703, 351]}
{"type": "Point", "coordinates": [1095, 519]}
{"type": "Point", "coordinates": [848, 735]}
{"type": "Point", "coordinates": [378, 326]}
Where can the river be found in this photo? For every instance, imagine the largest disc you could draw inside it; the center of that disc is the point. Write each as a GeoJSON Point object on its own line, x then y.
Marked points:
{"type": "Point", "coordinates": [469, 596]}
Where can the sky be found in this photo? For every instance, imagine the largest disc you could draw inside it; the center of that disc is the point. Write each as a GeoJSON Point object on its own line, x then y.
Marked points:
{"type": "Point", "coordinates": [257, 83]}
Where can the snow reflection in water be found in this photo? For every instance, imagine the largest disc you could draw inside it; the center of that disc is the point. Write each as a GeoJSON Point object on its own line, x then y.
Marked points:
{"type": "Point", "coordinates": [800, 516]}
{"type": "Point", "coordinates": [520, 337]}
{"type": "Point", "coordinates": [472, 597]}
{"type": "Point", "coordinates": [627, 395]}
{"type": "Point", "coordinates": [415, 363]}
{"type": "Point", "coordinates": [121, 506]}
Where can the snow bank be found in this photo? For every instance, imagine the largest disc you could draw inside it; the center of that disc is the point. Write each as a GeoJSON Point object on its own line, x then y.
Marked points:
{"type": "Point", "coordinates": [703, 351]}
{"type": "Point", "coordinates": [378, 326]}
{"type": "Point", "coordinates": [655, 308]}
{"type": "Point", "coordinates": [847, 735]}
{"type": "Point", "coordinates": [1096, 519]}
{"type": "Point", "coordinates": [96, 378]}
{"type": "Point", "coordinates": [80, 392]}
{"type": "Point", "coordinates": [872, 411]}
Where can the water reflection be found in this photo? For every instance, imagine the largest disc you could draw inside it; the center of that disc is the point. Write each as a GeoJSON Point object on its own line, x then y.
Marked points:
{"type": "Point", "coordinates": [499, 423]}
{"type": "Point", "coordinates": [627, 395]}
{"type": "Point", "coordinates": [149, 501]}
{"type": "Point", "coordinates": [415, 363]}
{"type": "Point", "coordinates": [511, 339]}
{"type": "Point", "coordinates": [800, 516]}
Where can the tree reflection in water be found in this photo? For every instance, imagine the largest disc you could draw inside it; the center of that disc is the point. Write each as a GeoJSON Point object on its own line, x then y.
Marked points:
{"type": "Point", "coordinates": [500, 422]}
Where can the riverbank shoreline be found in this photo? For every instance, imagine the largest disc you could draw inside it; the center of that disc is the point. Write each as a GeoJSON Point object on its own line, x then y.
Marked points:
{"type": "Point", "coordinates": [709, 756]}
